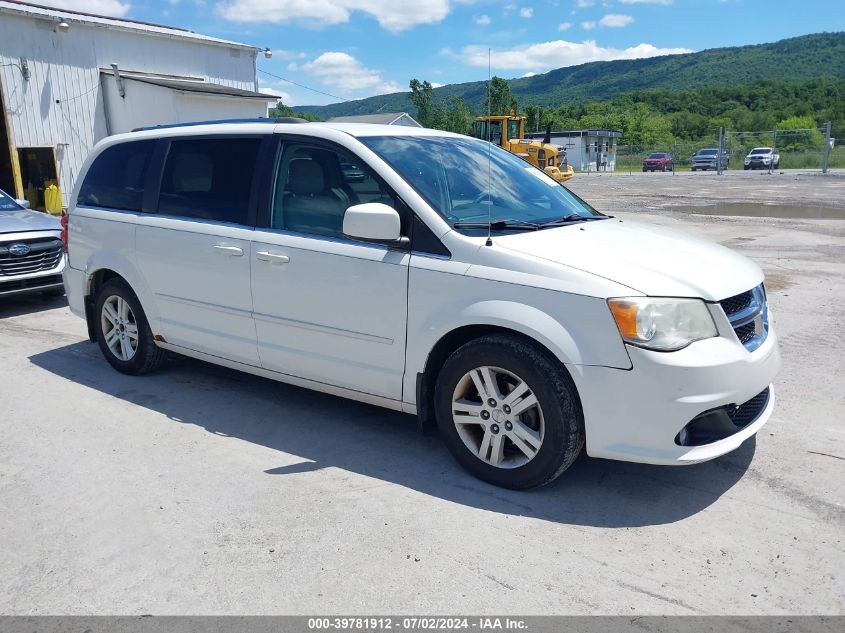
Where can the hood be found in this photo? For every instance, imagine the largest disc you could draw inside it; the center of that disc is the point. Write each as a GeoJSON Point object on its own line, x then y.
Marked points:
{"type": "Point", "coordinates": [650, 259]}
{"type": "Point", "coordinates": [20, 220]}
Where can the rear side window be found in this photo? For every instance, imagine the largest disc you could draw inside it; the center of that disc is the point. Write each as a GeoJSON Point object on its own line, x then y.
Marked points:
{"type": "Point", "coordinates": [209, 179]}
{"type": "Point", "coordinates": [116, 178]}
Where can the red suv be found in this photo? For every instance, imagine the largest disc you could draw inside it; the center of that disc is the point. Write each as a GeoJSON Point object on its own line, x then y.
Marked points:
{"type": "Point", "coordinates": [658, 161]}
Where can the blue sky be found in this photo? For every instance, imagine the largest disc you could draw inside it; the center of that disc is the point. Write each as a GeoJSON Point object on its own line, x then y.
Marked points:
{"type": "Point", "coordinates": [358, 48]}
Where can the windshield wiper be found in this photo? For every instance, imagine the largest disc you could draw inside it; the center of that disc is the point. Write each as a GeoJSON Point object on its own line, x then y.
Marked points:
{"type": "Point", "coordinates": [573, 217]}
{"type": "Point", "coordinates": [499, 225]}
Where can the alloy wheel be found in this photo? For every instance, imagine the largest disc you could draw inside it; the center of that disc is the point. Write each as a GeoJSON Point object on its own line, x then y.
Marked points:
{"type": "Point", "coordinates": [120, 329]}
{"type": "Point", "coordinates": [498, 417]}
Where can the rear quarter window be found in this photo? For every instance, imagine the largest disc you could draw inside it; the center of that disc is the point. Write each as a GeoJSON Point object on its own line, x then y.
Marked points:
{"type": "Point", "coordinates": [117, 176]}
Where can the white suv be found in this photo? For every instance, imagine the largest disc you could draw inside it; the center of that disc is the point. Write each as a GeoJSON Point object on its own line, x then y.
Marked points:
{"type": "Point", "coordinates": [426, 272]}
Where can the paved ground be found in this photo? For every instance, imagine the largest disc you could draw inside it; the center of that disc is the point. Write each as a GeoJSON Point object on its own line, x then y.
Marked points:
{"type": "Point", "coordinates": [200, 490]}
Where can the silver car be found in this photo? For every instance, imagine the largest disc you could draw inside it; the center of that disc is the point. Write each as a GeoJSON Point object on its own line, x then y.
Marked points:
{"type": "Point", "coordinates": [709, 158]}
{"type": "Point", "coordinates": [31, 252]}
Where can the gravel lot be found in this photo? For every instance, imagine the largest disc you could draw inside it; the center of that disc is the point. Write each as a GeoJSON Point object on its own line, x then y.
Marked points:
{"type": "Point", "coordinates": [199, 490]}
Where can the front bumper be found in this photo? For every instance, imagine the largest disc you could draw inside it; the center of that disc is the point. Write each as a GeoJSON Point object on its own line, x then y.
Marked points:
{"type": "Point", "coordinates": [560, 175]}
{"type": "Point", "coordinates": [635, 415]}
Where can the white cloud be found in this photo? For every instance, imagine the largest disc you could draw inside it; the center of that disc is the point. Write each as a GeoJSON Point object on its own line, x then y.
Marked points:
{"type": "Point", "coordinates": [544, 56]}
{"type": "Point", "coordinates": [588, 26]}
{"type": "Point", "coordinates": [343, 72]}
{"type": "Point", "coordinates": [281, 94]}
{"type": "Point", "coordinates": [564, 26]}
{"type": "Point", "coordinates": [481, 20]}
{"type": "Point", "coordinates": [113, 8]}
{"type": "Point", "coordinates": [529, 74]}
{"type": "Point", "coordinates": [390, 14]}
{"type": "Point", "coordinates": [615, 20]}
{"type": "Point", "coordinates": [663, 2]}
{"type": "Point", "coordinates": [434, 84]}
{"type": "Point", "coordinates": [583, 4]}
{"type": "Point", "coordinates": [526, 12]}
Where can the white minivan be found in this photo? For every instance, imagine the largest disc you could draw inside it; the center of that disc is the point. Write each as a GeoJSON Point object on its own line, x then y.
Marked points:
{"type": "Point", "coordinates": [426, 272]}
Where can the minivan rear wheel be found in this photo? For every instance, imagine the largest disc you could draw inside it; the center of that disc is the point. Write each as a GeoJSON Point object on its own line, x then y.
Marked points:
{"type": "Point", "coordinates": [509, 412]}
{"type": "Point", "coordinates": [122, 330]}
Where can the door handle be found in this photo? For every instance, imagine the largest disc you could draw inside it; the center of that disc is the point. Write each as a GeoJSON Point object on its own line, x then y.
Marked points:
{"type": "Point", "coordinates": [231, 251]}
{"type": "Point", "coordinates": [276, 258]}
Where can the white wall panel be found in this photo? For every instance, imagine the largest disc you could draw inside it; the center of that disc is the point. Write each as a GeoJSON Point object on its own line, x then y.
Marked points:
{"type": "Point", "coordinates": [61, 105]}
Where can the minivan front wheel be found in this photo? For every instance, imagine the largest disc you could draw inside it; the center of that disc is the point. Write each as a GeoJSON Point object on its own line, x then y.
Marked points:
{"type": "Point", "coordinates": [122, 330]}
{"type": "Point", "coordinates": [509, 412]}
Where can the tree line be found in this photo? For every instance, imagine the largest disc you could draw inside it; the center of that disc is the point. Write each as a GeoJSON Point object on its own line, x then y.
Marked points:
{"type": "Point", "coordinates": [654, 117]}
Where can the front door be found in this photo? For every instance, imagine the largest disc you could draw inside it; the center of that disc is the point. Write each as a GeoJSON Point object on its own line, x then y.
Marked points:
{"type": "Point", "coordinates": [328, 308]}
{"type": "Point", "coordinates": [195, 252]}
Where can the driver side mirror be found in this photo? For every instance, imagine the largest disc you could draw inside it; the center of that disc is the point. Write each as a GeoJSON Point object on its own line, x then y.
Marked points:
{"type": "Point", "coordinates": [373, 222]}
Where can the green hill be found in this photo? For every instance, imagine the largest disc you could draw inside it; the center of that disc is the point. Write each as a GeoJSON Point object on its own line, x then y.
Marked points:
{"type": "Point", "coordinates": [798, 58]}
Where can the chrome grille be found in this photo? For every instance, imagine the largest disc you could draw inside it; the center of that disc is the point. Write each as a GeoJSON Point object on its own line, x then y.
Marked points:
{"type": "Point", "coordinates": [43, 254]}
{"type": "Point", "coordinates": [737, 303]}
{"type": "Point", "coordinates": [749, 316]}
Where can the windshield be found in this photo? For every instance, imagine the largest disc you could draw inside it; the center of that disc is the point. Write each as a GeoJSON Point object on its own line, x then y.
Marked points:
{"type": "Point", "coordinates": [657, 155]}
{"type": "Point", "coordinates": [452, 175]}
{"type": "Point", "coordinates": [7, 203]}
{"type": "Point", "coordinates": [761, 150]}
{"type": "Point", "coordinates": [707, 152]}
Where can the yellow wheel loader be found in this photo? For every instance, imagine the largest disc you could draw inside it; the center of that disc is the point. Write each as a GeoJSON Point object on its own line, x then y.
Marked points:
{"type": "Point", "coordinates": [508, 132]}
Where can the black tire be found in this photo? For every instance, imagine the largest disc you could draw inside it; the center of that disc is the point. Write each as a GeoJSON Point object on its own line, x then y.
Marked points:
{"type": "Point", "coordinates": [562, 416]}
{"type": "Point", "coordinates": [746, 167]}
{"type": "Point", "coordinates": [644, 170]}
{"type": "Point", "coordinates": [148, 356]}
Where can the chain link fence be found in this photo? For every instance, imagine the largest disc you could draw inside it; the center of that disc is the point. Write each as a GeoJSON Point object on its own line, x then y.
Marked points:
{"type": "Point", "coordinates": [811, 148]}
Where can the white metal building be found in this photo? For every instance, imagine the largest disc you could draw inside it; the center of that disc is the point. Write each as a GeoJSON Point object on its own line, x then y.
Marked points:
{"type": "Point", "coordinates": [587, 150]}
{"type": "Point", "coordinates": [67, 79]}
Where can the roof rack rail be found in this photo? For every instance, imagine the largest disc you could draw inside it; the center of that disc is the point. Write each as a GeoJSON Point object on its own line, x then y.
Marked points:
{"type": "Point", "coordinates": [283, 119]}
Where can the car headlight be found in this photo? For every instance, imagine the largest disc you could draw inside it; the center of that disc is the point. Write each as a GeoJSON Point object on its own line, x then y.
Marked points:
{"type": "Point", "coordinates": [662, 324]}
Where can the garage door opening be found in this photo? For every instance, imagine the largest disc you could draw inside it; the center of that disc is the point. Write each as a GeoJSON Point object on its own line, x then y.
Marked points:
{"type": "Point", "coordinates": [7, 172]}
{"type": "Point", "coordinates": [38, 175]}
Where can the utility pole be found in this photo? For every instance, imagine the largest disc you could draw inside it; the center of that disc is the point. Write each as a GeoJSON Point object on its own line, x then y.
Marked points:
{"type": "Point", "coordinates": [719, 169]}
{"type": "Point", "coordinates": [828, 143]}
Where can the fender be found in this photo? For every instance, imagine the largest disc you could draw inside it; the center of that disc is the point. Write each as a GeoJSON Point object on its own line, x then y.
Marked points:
{"type": "Point", "coordinates": [602, 345]}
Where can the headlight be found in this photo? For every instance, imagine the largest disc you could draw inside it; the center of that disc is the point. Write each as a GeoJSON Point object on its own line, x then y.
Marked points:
{"type": "Point", "coordinates": [660, 324]}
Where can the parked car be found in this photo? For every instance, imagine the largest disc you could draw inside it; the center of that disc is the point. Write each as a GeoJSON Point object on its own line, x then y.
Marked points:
{"type": "Point", "coordinates": [658, 161]}
{"type": "Point", "coordinates": [762, 158]}
{"type": "Point", "coordinates": [709, 158]}
{"type": "Point", "coordinates": [504, 311]}
{"type": "Point", "coordinates": [31, 254]}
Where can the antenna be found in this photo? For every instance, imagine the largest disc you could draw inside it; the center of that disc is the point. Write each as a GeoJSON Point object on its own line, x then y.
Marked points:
{"type": "Point", "coordinates": [489, 241]}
